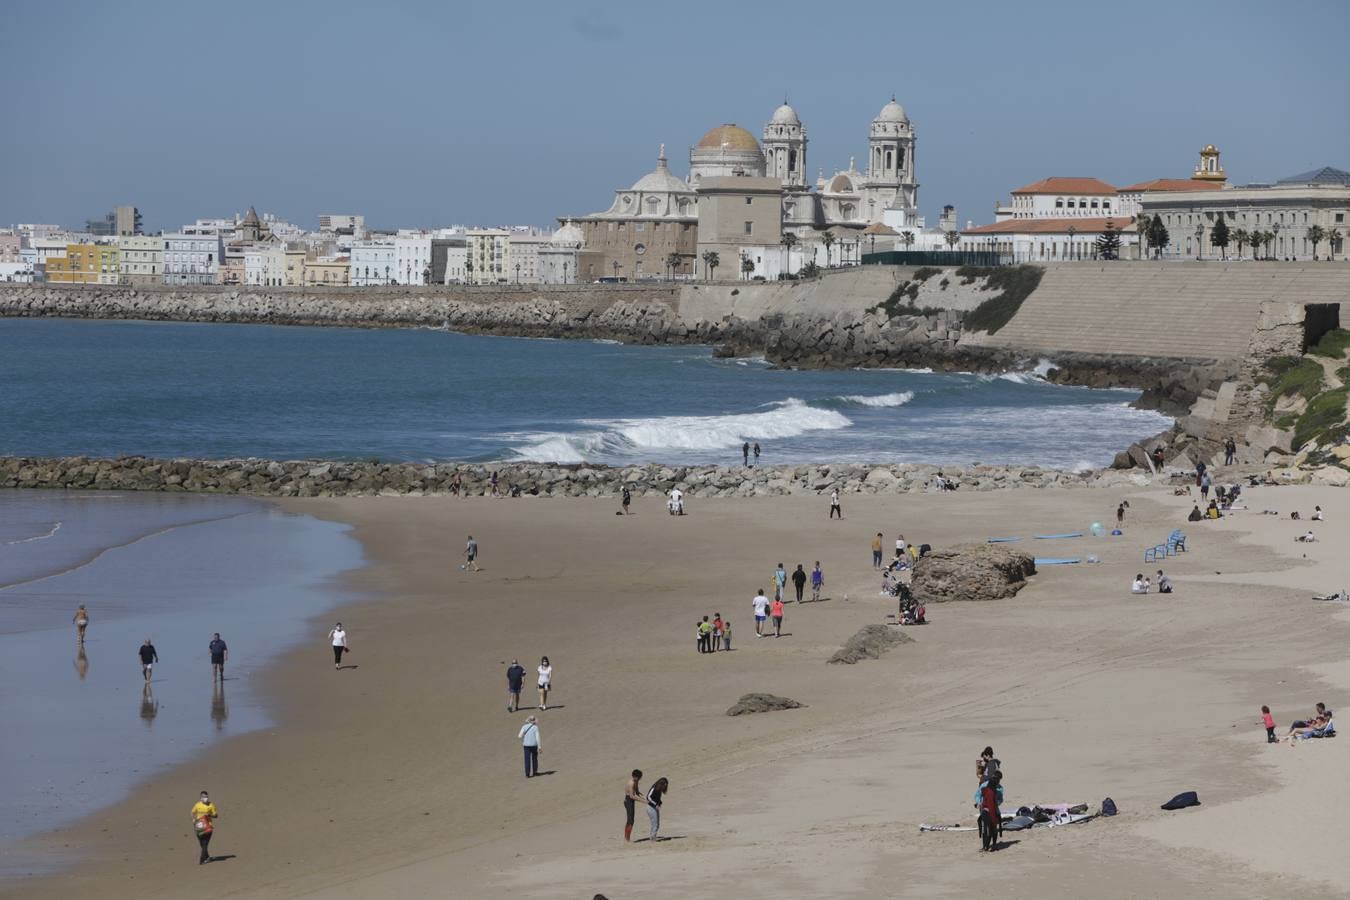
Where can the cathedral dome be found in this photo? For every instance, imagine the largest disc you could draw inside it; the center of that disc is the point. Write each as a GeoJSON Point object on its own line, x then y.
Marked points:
{"type": "Point", "coordinates": [892, 112]}
{"type": "Point", "coordinates": [569, 233]}
{"type": "Point", "coordinates": [785, 115]}
{"type": "Point", "coordinates": [733, 137]}
{"type": "Point", "coordinates": [660, 181]}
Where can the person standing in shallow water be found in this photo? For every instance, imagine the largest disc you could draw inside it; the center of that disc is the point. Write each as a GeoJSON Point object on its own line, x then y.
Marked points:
{"type": "Point", "coordinates": [81, 620]}
{"type": "Point", "coordinates": [149, 656]}
{"type": "Point", "coordinates": [219, 654]}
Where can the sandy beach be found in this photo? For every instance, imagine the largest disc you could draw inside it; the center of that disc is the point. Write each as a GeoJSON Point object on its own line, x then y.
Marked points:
{"type": "Point", "coordinates": [400, 776]}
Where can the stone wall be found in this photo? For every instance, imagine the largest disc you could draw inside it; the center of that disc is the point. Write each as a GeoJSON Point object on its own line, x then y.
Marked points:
{"type": "Point", "coordinates": [314, 478]}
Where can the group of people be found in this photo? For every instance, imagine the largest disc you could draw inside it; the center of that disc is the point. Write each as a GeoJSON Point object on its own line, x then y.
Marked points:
{"type": "Point", "coordinates": [989, 798]}
{"type": "Point", "coordinates": [1319, 725]}
{"type": "Point", "coordinates": [714, 634]}
{"type": "Point", "coordinates": [515, 683]}
{"type": "Point", "coordinates": [764, 608]}
{"type": "Point", "coordinates": [148, 654]}
{"type": "Point", "coordinates": [1143, 585]}
{"type": "Point", "coordinates": [745, 452]}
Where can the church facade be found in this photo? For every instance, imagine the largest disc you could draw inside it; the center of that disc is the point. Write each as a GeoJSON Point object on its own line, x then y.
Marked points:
{"type": "Point", "coordinates": [653, 229]}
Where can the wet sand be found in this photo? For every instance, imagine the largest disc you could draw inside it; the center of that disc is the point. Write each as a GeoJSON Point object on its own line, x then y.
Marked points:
{"type": "Point", "coordinates": [402, 776]}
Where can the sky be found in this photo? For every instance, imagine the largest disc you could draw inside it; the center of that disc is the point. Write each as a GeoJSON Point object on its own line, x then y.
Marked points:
{"type": "Point", "coordinates": [418, 114]}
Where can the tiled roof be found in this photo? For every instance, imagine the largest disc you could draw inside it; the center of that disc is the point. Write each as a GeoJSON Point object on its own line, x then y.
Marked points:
{"type": "Point", "coordinates": [1061, 185]}
{"type": "Point", "coordinates": [879, 228]}
{"type": "Point", "coordinates": [1052, 226]}
{"type": "Point", "coordinates": [1172, 184]}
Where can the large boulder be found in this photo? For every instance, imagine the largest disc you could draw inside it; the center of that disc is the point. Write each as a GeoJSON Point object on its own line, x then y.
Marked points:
{"type": "Point", "coordinates": [758, 703]}
{"type": "Point", "coordinates": [869, 643]}
{"type": "Point", "coordinates": [971, 572]}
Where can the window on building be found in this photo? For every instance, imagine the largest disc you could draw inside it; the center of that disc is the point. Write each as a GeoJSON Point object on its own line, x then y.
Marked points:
{"type": "Point", "coordinates": [749, 227]}
{"type": "Point", "coordinates": [1340, 217]}
{"type": "Point", "coordinates": [1059, 203]}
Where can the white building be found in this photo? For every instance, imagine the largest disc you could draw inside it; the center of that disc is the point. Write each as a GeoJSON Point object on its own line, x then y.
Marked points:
{"type": "Point", "coordinates": [351, 226]}
{"type": "Point", "coordinates": [558, 258]}
{"type": "Point", "coordinates": [141, 257]}
{"type": "Point", "coordinates": [16, 272]}
{"type": "Point", "coordinates": [489, 256]}
{"type": "Point", "coordinates": [412, 257]}
{"type": "Point", "coordinates": [1286, 212]}
{"type": "Point", "coordinates": [372, 262]}
{"type": "Point", "coordinates": [265, 264]}
{"type": "Point", "coordinates": [526, 247]}
{"type": "Point", "coordinates": [191, 258]}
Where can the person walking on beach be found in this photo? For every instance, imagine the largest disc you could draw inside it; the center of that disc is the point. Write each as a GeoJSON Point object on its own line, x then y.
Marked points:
{"type": "Point", "coordinates": [1120, 513]}
{"type": "Point", "coordinates": [627, 499]}
{"type": "Point", "coordinates": [471, 555]}
{"type": "Point", "coordinates": [777, 610]}
{"type": "Point", "coordinates": [745, 452]}
{"type": "Point", "coordinates": [761, 605]}
{"type": "Point", "coordinates": [779, 582]}
{"type": "Point", "coordinates": [494, 483]}
{"type": "Point", "coordinates": [81, 620]}
{"type": "Point", "coordinates": [834, 505]}
{"type": "Point", "coordinates": [1205, 483]}
{"type": "Point", "coordinates": [1268, 721]}
{"type": "Point", "coordinates": [658, 791]}
{"type": "Point", "coordinates": [338, 638]}
{"type": "Point", "coordinates": [545, 681]}
{"type": "Point", "coordinates": [876, 551]}
{"type": "Point", "coordinates": [204, 815]}
{"type": "Point", "coordinates": [515, 680]}
{"type": "Point", "coordinates": [219, 653]}
{"type": "Point", "coordinates": [529, 741]}
{"type": "Point", "coordinates": [799, 581]}
{"type": "Point", "coordinates": [817, 582]}
{"type": "Point", "coordinates": [632, 796]}
{"type": "Point", "coordinates": [148, 659]}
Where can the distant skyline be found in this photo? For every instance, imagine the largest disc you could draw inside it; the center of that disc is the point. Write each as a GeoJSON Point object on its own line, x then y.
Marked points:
{"type": "Point", "coordinates": [417, 114]}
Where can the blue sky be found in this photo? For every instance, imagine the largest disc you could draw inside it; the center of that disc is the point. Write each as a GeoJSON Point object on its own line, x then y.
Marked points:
{"type": "Point", "coordinates": [430, 113]}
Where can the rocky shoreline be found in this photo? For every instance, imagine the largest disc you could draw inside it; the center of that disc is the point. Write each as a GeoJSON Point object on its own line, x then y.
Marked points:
{"type": "Point", "coordinates": [327, 478]}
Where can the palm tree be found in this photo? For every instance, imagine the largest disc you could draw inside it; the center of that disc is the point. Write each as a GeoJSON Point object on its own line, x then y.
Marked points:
{"type": "Point", "coordinates": [952, 238]}
{"type": "Point", "coordinates": [711, 262]}
{"type": "Point", "coordinates": [1317, 234]}
{"type": "Point", "coordinates": [828, 240]}
{"type": "Point", "coordinates": [907, 238]}
{"type": "Point", "coordinates": [1241, 237]}
{"type": "Point", "coordinates": [672, 263]}
{"type": "Point", "coordinates": [747, 266]}
{"type": "Point", "coordinates": [1141, 222]}
{"type": "Point", "coordinates": [789, 241]}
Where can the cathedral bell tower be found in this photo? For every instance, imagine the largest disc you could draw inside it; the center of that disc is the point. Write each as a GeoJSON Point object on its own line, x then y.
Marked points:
{"type": "Point", "coordinates": [890, 160]}
{"type": "Point", "coordinates": [785, 148]}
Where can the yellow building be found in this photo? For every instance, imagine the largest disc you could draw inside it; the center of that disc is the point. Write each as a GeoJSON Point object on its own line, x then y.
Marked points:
{"type": "Point", "coordinates": [295, 266]}
{"type": "Point", "coordinates": [333, 271]}
{"type": "Point", "coordinates": [85, 264]}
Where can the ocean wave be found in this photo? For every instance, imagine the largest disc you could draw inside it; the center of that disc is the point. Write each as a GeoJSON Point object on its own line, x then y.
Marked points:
{"type": "Point", "coordinates": [637, 437]}
{"type": "Point", "coordinates": [51, 532]}
{"type": "Point", "coordinates": [1022, 378]}
{"type": "Point", "coordinates": [879, 400]}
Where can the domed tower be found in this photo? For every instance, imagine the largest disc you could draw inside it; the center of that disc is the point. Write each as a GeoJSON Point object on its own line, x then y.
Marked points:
{"type": "Point", "coordinates": [1210, 169]}
{"type": "Point", "coordinates": [785, 148]}
{"type": "Point", "coordinates": [890, 180]}
{"type": "Point", "coordinates": [726, 150]}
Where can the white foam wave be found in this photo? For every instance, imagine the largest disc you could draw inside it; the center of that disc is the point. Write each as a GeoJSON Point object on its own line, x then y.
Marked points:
{"type": "Point", "coordinates": [37, 537]}
{"type": "Point", "coordinates": [879, 400]}
{"type": "Point", "coordinates": [619, 437]}
{"type": "Point", "coordinates": [1021, 377]}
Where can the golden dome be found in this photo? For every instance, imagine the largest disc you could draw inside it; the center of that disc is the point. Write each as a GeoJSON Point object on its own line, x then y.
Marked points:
{"type": "Point", "coordinates": [733, 137]}
{"type": "Point", "coordinates": [1209, 149]}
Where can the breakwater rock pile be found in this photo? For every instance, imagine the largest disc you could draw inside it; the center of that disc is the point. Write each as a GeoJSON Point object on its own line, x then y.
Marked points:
{"type": "Point", "coordinates": [319, 478]}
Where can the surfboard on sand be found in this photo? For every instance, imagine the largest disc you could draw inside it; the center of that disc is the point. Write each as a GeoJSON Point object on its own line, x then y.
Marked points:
{"type": "Point", "coordinates": [1057, 560]}
{"type": "Point", "coordinates": [926, 827]}
{"type": "Point", "coordinates": [1051, 537]}
{"type": "Point", "coordinates": [1003, 540]}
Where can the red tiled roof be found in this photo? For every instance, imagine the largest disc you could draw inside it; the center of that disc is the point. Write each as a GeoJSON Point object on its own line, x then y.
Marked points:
{"type": "Point", "coordinates": [1061, 185]}
{"type": "Point", "coordinates": [1172, 184]}
{"type": "Point", "coordinates": [1053, 226]}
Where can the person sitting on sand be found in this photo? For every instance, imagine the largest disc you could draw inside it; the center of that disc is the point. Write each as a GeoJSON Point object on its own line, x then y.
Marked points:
{"type": "Point", "coordinates": [1316, 516]}
{"type": "Point", "coordinates": [1320, 712]}
{"type": "Point", "coordinates": [1196, 515]}
{"type": "Point", "coordinates": [1308, 538]}
{"type": "Point", "coordinates": [1318, 727]}
{"type": "Point", "coordinates": [1140, 585]}
{"type": "Point", "coordinates": [1164, 583]}
{"type": "Point", "coordinates": [1212, 511]}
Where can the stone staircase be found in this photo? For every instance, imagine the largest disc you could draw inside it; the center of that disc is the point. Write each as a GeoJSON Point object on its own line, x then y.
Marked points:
{"type": "Point", "coordinates": [1207, 311]}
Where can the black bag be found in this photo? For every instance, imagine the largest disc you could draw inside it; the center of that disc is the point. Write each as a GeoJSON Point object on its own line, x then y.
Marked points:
{"type": "Point", "coordinates": [1109, 807]}
{"type": "Point", "coordinates": [1182, 800]}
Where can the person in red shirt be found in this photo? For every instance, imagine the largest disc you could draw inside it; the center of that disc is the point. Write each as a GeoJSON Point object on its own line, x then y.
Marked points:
{"type": "Point", "coordinates": [777, 612]}
{"type": "Point", "coordinates": [989, 812]}
{"type": "Point", "coordinates": [716, 632]}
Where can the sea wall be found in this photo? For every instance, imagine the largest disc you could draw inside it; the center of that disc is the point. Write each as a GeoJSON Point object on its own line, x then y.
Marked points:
{"type": "Point", "coordinates": [325, 478]}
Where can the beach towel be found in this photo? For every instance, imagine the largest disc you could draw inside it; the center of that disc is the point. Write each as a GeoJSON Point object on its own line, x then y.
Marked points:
{"type": "Point", "coordinates": [1057, 560]}
{"type": "Point", "coordinates": [1182, 800]}
{"type": "Point", "coordinates": [1005, 540]}
{"type": "Point", "coordinates": [1051, 537]}
{"type": "Point", "coordinates": [1109, 807]}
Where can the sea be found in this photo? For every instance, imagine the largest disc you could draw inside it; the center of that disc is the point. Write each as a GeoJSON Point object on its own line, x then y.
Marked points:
{"type": "Point", "coordinates": [177, 568]}
{"type": "Point", "coordinates": [105, 388]}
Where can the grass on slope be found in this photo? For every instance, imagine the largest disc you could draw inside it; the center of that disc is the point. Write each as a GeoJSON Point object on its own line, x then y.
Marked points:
{"type": "Point", "coordinates": [1290, 375]}
{"type": "Point", "coordinates": [1333, 344]}
{"type": "Point", "coordinates": [1323, 420]}
{"type": "Point", "coordinates": [1014, 284]}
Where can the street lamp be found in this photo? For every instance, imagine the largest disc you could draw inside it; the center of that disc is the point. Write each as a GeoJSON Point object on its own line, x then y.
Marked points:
{"type": "Point", "coordinates": [1200, 241]}
{"type": "Point", "coordinates": [517, 273]}
{"type": "Point", "coordinates": [564, 272]}
{"type": "Point", "coordinates": [1072, 232]}
{"type": "Point", "coordinates": [616, 270]}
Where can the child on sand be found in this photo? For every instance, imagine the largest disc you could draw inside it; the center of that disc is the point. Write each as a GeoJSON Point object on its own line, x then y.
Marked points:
{"type": "Point", "coordinates": [1269, 722]}
{"type": "Point", "coordinates": [726, 635]}
{"type": "Point", "coordinates": [716, 631]}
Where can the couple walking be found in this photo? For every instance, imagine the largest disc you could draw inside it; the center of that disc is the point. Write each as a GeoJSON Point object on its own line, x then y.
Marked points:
{"type": "Point", "coordinates": [633, 796]}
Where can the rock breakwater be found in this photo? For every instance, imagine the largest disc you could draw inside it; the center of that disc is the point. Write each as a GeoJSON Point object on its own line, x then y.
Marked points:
{"type": "Point", "coordinates": [327, 478]}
